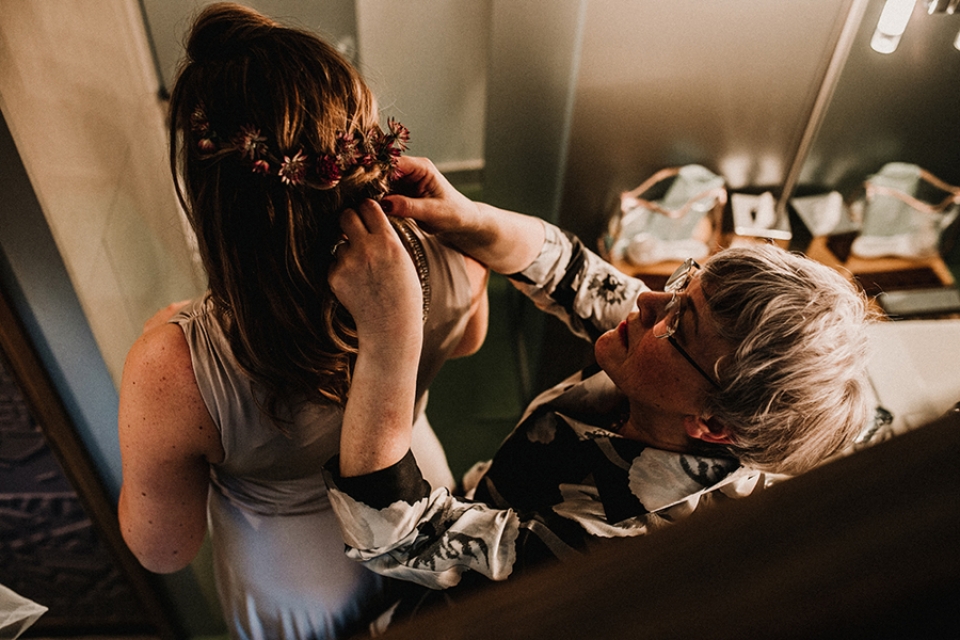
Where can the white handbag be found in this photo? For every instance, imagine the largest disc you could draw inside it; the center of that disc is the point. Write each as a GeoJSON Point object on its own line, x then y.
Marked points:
{"type": "Point", "coordinates": [905, 211]}
{"type": "Point", "coordinates": [674, 215]}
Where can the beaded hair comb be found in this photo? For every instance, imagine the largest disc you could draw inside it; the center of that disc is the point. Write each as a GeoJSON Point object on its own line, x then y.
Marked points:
{"type": "Point", "coordinates": [362, 149]}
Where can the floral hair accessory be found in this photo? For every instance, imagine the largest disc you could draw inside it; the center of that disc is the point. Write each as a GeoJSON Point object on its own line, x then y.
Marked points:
{"type": "Point", "coordinates": [324, 171]}
{"type": "Point", "coordinates": [392, 145]}
{"type": "Point", "coordinates": [251, 144]}
{"type": "Point", "coordinates": [293, 169]}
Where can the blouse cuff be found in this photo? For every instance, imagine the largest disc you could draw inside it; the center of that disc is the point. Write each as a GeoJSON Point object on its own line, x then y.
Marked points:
{"type": "Point", "coordinates": [561, 253]}
{"type": "Point", "coordinates": [380, 489]}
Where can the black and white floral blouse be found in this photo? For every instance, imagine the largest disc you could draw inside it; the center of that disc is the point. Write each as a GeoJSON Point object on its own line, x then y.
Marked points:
{"type": "Point", "coordinates": [562, 479]}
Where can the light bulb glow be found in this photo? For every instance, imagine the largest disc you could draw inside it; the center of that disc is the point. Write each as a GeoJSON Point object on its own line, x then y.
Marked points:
{"type": "Point", "coordinates": [893, 22]}
{"type": "Point", "coordinates": [956, 43]}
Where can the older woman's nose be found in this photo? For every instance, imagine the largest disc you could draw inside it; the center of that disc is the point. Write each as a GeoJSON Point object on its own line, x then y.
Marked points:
{"type": "Point", "coordinates": [651, 305]}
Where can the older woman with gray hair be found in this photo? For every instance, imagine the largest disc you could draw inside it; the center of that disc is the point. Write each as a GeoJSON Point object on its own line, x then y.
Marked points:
{"type": "Point", "coordinates": [753, 363]}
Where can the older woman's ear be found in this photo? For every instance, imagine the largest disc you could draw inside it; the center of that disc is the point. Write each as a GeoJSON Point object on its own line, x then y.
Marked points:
{"type": "Point", "coordinates": [708, 429]}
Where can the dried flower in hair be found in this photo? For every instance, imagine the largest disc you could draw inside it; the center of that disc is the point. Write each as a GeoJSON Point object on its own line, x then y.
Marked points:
{"type": "Point", "coordinates": [293, 170]}
{"type": "Point", "coordinates": [198, 121]}
{"type": "Point", "coordinates": [399, 136]}
{"type": "Point", "coordinates": [251, 144]}
{"type": "Point", "coordinates": [347, 151]}
{"type": "Point", "coordinates": [328, 169]}
{"type": "Point", "coordinates": [366, 154]}
{"type": "Point", "coordinates": [359, 149]}
{"type": "Point", "coordinates": [391, 144]}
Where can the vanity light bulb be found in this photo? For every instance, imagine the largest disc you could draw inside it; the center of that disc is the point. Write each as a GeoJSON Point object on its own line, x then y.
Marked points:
{"type": "Point", "coordinates": [892, 23]}
{"type": "Point", "coordinates": [956, 43]}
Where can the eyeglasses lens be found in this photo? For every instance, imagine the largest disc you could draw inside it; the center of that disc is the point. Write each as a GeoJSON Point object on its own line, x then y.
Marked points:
{"type": "Point", "coordinates": [676, 284]}
{"type": "Point", "coordinates": [680, 278]}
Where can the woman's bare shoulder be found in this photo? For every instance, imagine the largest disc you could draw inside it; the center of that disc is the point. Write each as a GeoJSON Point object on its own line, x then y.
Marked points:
{"type": "Point", "coordinates": [159, 387]}
{"type": "Point", "coordinates": [160, 354]}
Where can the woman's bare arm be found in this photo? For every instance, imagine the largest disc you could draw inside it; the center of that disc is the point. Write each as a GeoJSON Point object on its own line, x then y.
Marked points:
{"type": "Point", "coordinates": [376, 281]}
{"type": "Point", "coordinates": [167, 442]}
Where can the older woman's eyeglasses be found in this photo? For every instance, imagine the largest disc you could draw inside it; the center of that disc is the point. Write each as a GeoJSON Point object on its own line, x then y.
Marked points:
{"type": "Point", "coordinates": [672, 313]}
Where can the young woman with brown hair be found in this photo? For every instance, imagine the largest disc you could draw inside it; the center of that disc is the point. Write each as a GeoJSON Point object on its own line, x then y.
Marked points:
{"type": "Point", "coordinates": [229, 408]}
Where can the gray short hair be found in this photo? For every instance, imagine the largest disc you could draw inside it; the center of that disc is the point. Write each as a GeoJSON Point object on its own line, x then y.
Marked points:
{"type": "Point", "coordinates": [794, 391]}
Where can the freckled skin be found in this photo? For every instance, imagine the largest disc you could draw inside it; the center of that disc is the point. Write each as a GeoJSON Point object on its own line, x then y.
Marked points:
{"type": "Point", "coordinates": [166, 457]}
{"type": "Point", "coordinates": [665, 392]}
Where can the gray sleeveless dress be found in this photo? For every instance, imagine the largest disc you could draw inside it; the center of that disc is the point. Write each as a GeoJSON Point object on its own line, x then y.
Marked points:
{"type": "Point", "coordinates": [278, 554]}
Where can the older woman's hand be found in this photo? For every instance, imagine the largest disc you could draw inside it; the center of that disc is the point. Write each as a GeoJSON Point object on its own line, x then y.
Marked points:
{"type": "Point", "coordinates": [505, 241]}
{"type": "Point", "coordinates": [424, 194]}
{"type": "Point", "coordinates": [374, 278]}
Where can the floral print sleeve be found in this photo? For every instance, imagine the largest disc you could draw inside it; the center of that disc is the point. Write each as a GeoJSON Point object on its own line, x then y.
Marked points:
{"type": "Point", "coordinates": [396, 526]}
{"type": "Point", "coordinates": [575, 284]}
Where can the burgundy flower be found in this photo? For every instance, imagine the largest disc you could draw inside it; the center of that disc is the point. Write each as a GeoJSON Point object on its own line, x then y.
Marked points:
{"type": "Point", "coordinates": [328, 168]}
{"type": "Point", "coordinates": [206, 145]}
{"type": "Point", "coordinates": [392, 143]}
{"type": "Point", "coordinates": [261, 166]}
{"type": "Point", "coordinates": [293, 170]}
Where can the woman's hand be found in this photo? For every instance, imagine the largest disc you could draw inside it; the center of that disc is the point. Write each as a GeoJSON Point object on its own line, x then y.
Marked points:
{"type": "Point", "coordinates": [374, 278]}
{"type": "Point", "coordinates": [505, 241]}
{"type": "Point", "coordinates": [425, 195]}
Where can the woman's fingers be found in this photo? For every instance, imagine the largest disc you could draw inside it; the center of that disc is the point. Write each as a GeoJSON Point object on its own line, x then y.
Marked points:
{"type": "Point", "coordinates": [352, 224]}
{"type": "Point", "coordinates": [419, 209]}
{"type": "Point", "coordinates": [374, 219]}
{"type": "Point", "coordinates": [373, 277]}
{"type": "Point", "coordinates": [368, 218]}
{"type": "Point", "coordinates": [426, 196]}
{"type": "Point", "coordinates": [416, 176]}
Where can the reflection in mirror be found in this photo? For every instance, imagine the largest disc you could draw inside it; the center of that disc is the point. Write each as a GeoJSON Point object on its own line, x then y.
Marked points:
{"type": "Point", "coordinates": [900, 107]}
{"type": "Point", "coordinates": [892, 23]}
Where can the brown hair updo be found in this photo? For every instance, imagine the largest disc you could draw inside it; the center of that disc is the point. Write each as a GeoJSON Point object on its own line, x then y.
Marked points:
{"type": "Point", "coordinates": [265, 242]}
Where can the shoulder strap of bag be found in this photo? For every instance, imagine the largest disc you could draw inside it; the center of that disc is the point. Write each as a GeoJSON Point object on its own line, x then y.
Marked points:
{"type": "Point", "coordinates": [634, 198]}
{"type": "Point", "coordinates": [953, 194]}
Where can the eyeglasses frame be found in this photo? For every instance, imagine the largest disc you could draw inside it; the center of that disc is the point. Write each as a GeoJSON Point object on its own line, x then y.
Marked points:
{"type": "Point", "coordinates": [676, 284]}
